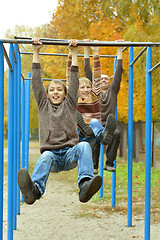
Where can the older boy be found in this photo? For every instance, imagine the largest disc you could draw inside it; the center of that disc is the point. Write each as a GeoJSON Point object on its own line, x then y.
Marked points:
{"type": "Point", "coordinates": [59, 147]}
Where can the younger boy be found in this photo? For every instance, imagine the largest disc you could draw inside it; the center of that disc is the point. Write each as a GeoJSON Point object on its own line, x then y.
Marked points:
{"type": "Point", "coordinates": [59, 147]}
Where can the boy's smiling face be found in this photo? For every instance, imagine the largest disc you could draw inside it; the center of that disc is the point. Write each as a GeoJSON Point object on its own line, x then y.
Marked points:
{"type": "Point", "coordinates": [84, 89]}
{"type": "Point", "coordinates": [56, 93]}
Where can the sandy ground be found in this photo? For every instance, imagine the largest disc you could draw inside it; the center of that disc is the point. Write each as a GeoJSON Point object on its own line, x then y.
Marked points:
{"type": "Point", "coordinates": [59, 215]}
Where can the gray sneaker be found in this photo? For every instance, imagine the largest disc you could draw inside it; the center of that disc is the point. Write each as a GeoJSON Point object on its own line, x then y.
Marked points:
{"type": "Point", "coordinates": [109, 168]}
{"type": "Point", "coordinates": [95, 171]}
{"type": "Point", "coordinates": [106, 135]}
{"type": "Point", "coordinates": [89, 188]}
{"type": "Point", "coordinates": [28, 188]}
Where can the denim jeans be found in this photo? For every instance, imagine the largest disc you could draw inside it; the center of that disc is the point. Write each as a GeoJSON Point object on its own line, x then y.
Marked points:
{"type": "Point", "coordinates": [97, 128]}
{"type": "Point", "coordinates": [63, 160]}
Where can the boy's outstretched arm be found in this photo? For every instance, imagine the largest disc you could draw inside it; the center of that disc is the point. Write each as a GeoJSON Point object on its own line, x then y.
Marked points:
{"type": "Point", "coordinates": [87, 65]}
{"type": "Point", "coordinates": [36, 47]}
{"type": "Point", "coordinates": [74, 51]}
{"type": "Point", "coordinates": [96, 70]}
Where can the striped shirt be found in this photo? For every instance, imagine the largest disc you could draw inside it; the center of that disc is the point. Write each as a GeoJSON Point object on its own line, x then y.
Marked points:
{"type": "Point", "coordinates": [90, 107]}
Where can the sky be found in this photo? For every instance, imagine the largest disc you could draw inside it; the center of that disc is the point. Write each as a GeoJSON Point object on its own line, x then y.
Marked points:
{"type": "Point", "coordinates": [29, 13]}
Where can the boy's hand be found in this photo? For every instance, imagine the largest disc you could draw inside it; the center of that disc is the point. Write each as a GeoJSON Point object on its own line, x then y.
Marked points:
{"type": "Point", "coordinates": [95, 49]}
{"type": "Point", "coordinates": [73, 45]}
{"type": "Point", "coordinates": [74, 49]}
{"type": "Point", "coordinates": [37, 44]}
{"type": "Point", "coordinates": [86, 49]}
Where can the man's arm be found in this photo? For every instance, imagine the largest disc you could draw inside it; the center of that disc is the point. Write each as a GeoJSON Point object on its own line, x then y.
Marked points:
{"type": "Point", "coordinates": [115, 87]}
{"type": "Point", "coordinates": [87, 65]}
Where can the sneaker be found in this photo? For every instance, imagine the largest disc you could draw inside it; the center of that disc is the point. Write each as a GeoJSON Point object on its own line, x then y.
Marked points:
{"type": "Point", "coordinates": [106, 135]}
{"type": "Point", "coordinates": [89, 188]}
{"type": "Point", "coordinates": [28, 188]}
{"type": "Point", "coordinates": [95, 171]}
{"type": "Point", "coordinates": [109, 168]}
{"type": "Point", "coordinates": [83, 127]}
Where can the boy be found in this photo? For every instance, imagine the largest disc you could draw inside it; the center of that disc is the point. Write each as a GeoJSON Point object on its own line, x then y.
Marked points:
{"type": "Point", "coordinates": [88, 113]}
{"type": "Point", "coordinates": [59, 147]}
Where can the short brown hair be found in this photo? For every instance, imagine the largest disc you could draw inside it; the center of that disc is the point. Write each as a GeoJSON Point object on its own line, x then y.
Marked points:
{"type": "Point", "coordinates": [57, 81]}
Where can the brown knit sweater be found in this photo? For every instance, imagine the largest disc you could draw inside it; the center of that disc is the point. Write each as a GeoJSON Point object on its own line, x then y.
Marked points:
{"type": "Point", "coordinates": [57, 123]}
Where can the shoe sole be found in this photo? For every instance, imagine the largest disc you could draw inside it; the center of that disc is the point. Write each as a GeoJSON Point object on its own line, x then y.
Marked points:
{"type": "Point", "coordinates": [109, 169]}
{"type": "Point", "coordinates": [25, 185]}
{"type": "Point", "coordinates": [92, 189]}
{"type": "Point", "coordinates": [111, 125]}
{"type": "Point", "coordinates": [83, 127]}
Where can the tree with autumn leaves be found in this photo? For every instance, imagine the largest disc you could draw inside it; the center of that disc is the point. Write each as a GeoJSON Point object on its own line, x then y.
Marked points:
{"type": "Point", "coordinates": [135, 21]}
{"type": "Point", "coordinates": [110, 20]}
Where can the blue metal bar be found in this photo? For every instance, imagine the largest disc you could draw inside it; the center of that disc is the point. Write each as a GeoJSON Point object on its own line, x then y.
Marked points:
{"type": "Point", "coordinates": [10, 142]}
{"type": "Point", "coordinates": [15, 147]}
{"type": "Point", "coordinates": [27, 119]}
{"type": "Point", "coordinates": [114, 174]}
{"type": "Point", "coordinates": [101, 168]}
{"type": "Point", "coordinates": [18, 123]}
{"type": "Point", "coordinates": [23, 129]}
{"type": "Point", "coordinates": [1, 135]}
{"type": "Point", "coordinates": [130, 138]}
{"type": "Point", "coordinates": [148, 144]}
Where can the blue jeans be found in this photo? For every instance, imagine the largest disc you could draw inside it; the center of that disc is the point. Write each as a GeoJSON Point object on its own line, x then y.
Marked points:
{"type": "Point", "coordinates": [63, 160]}
{"type": "Point", "coordinates": [97, 128]}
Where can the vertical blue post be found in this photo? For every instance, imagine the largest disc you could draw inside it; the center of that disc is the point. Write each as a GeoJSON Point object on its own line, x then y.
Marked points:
{"type": "Point", "coordinates": [1, 135]}
{"type": "Point", "coordinates": [27, 118]}
{"type": "Point", "coordinates": [130, 138]}
{"type": "Point", "coordinates": [15, 144]}
{"type": "Point", "coordinates": [23, 129]}
{"type": "Point", "coordinates": [101, 167]}
{"type": "Point", "coordinates": [148, 143]}
{"type": "Point", "coordinates": [114, 173]}
{"type": "Point", "coordinates": [18, 123]}
{"type": "Point", "coordinates": [10, 142]}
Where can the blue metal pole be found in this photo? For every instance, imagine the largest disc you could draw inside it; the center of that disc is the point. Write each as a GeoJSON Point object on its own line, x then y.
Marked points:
{"type": "Point", "coordinates": [15, 146]}
{"type": "Point", "coordinates": [18, 123]}
{"type": "Point", "coordinates": [101, 168]}
{"type": "Point", "coordinates": [23, 129]}
{"type": "Point", "coordinates": [130, 138]}
{"type": "Point", "coordinates": [114, 173]}
{"type": "Point", "coordinates": [1, 135]}
{"type": "Point", "coordinates": [148, 143]}
{"type": "Point", "coordinates": [10, 142]}
{"type": "Point", "coordinates": [27, 119]}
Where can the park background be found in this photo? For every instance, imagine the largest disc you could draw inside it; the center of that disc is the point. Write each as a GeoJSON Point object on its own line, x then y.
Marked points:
{"type": "Point", "coordinates": [132, 20]}
{"type": "Point", "coordinates": [135, 21]}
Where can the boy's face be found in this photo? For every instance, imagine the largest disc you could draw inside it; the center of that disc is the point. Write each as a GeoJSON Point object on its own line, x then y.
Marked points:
{"type": "Point", "coordinates": [84, 90]}
{"type": "Point", "coordinates": [56, 93]}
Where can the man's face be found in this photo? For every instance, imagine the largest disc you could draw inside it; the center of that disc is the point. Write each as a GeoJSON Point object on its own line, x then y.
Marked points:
{"type": "Point", "coordinates": [56, 93]}
{"type": "Point", "coordinates": [84, 90]}
{"type": "Point", "coordinates": [104, 82]}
